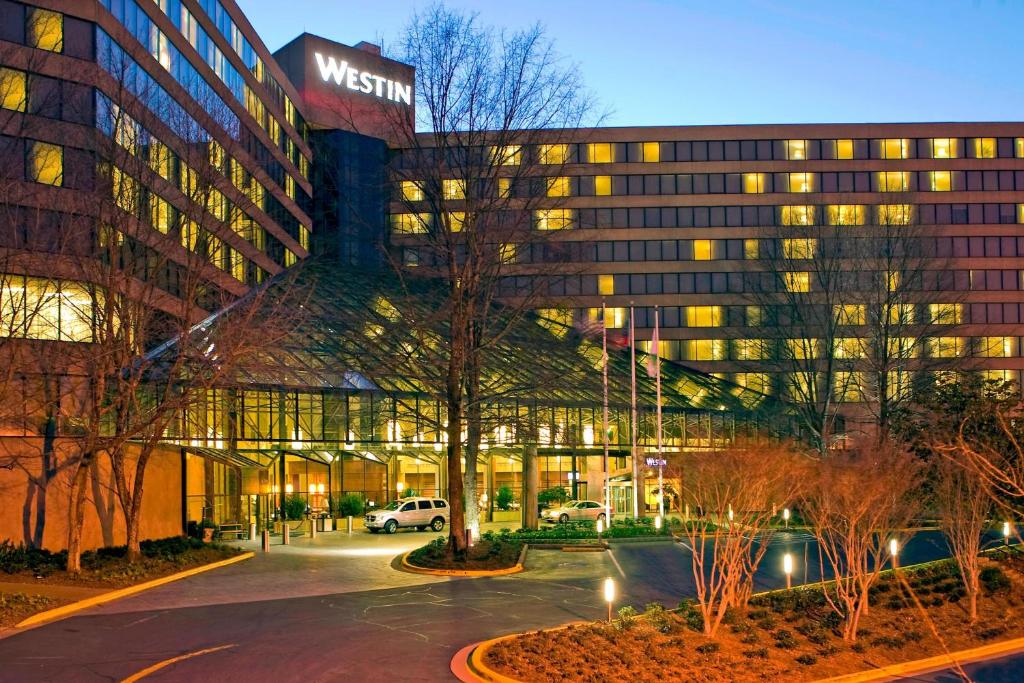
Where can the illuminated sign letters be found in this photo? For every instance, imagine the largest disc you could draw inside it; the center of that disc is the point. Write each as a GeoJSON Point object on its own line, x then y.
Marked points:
{"type": "Point", "coordinates": [362, 81]}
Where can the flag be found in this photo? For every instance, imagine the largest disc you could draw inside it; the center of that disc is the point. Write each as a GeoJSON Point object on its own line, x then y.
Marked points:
{"type": "Point", "coordinates": [653, 362]}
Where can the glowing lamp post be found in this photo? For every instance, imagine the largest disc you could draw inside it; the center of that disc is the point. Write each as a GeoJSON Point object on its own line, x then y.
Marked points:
{"type": "Point", "coordinates": [894, 550]}
{"type": "Point", "coordinates": [609, 595]}
{"type": "Point", "coordinates": [1006, 533]}
{"type": "Point", "coordinates": [787, 567]}
{"type": "Point", "coordinates": [600, 528]}
{"type": "Point", "coordinates": [785, 517]}
{"type": "Point", "coordinates": [657, 523]}
{"type": "Point", "coordinates": [399, 489]}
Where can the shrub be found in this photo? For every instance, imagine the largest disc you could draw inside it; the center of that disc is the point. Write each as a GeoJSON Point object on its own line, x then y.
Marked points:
{"type": "Point", "coordinates": [691, 615]}
{"type": "Point", "coordinates": [503, 498]}
{"type": "Point", "coordinates": [350, 505]}
{"type": "Point", "coordinates": [830, 620]}
{"type": "Point", "coordinates": [807, 659]}
{"type": "Point", "coordinates": [19, 558]}
{"type": "Point", "coordinates": [294, 507]}
{"type": "Point", "coordinates": [817, 638]}
{"type": "Point", "coordinates": [757, 653]}
{"type": "Point", "coordinates": [658, 618]}
{"type": "Point", "coordinates": [990, 633]}
{"type": "Point", "coordinates": [627, 617]}
{"type": "Point", "coordinates": [888, 641]}
{"type": "Point", "coordinates": [784, 640]}
{"type": "Point", "coordinates": [859, 647]}
{"type": "Point", "coordinates": [994, 580]}
{"type": "Point", "coordinates": [750, 639]}
{"type": "Point", "coordinates": [556, 494]}
{"type": "Point", "coordinates": [708, 648]}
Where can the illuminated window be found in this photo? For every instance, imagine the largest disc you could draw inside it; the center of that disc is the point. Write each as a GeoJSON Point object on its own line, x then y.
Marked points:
{"type": "Point", "coordinates": [844, 149]}
{"type": "Point", "coordinates": [754, 381]}
{"type": "Point", "coordinates": [508, 155]}
{"type": "Point", "coordinates": [705, 349]}
{"type": "Point", "coordinates": [703, 316]}
{"type": "Point", "coordinates": [894, 148]}
{"type": "Point", "coordinates": [289, 186]}
{"type": "Point", "coordinates": [895, 214]}
{"type": "Point", "coordinates": [797, 282]}
{"type": "Point", "coordinates": [753, 183]}
{"type": "Point", "coordinates": [940, 181]}
{"type": "Point", "coordinates": [46, 163]}
{"type": "Point", "coordinates": [754, 315]}
{"type": "Point", "coordinates": [614, 319]}
{"type": "Point", "coordinates": [946, 347]}
{"type": "Point", "coordinates": [996, 347]}
{"type": "Point", "coordinates": [846, 214]}
{"type": "Point", "coordinates": [850, 314]}
{"type": "Point", "coordinates": [1020, 213]}
{"type": "Point", "coordinates": [504, 187]}
{"type": "Point", "coordinates": [508, 253]}
{"type": "Point", "coordinates": [456, 220]}
{"type": "Point", "coordinates": [848, 348]}
{"type": "Point", "coordinates": [893, 281]}
{"type": "Point", "coordinates": [13, 94]}
{"type": "Point", "coordinates": [46, 30]}
{"type": "Point", "coordinates": [985, 148]}
{"type": "Point", "coordinates": [802, 349]}
{"type": "Point", "coordinates": [901, 314]}
{"type": "Point", "coordinates": [893, 181]}
{"type": "Point", "coordinates": [603, 185]}
{"type": "Point", "coordinates": [751, 249]}
{"type": "Point", "coordinates": [750, 349]}
{"type": "Point", "coordinates": [796, 150]}
{"type": "Point", "coordinates": [554, 154]}
{"type": "Point", "coordinates": [847, 386]}
{"type": "Point", "coordinates": [606, 285]}
{"type": "Point", "coordinates": [798, 215]}
{"type": "Point", "coordinates": [702, 250]}
{"type": "Point", "coordinates": [600, 153]}
{"type": "Point", "coordinates": [902, 347]}
{"type": "Point", "coordinates": [999, 375]}
{"type": "Point", "coordinates": [304, 237]}
{"type": "Point", "coordinates": [410, 223]}
{"type": "Point", "coordinates": [944, 148]}
{"type": "Point", "coordinates": [652, 152]}
{"type": "Point", "coordinates": [945, 314]}
{"type": "Point", "coordinates": [553, 219]}
{"type": "Point", "coordinates": [453, 188]}
{"type": "Point", "coordinates": [1019, 148]}
{"type": "Point", "coordinates": [160, 214]}
{"type": "Point", "coordinates": [800, 248]}
{"type": "Point", "coordinates": [559, 187]}
{"type": "Point", "coordinates": [412, 191]}
{"type": "Point", "coordinates": [801, 182]}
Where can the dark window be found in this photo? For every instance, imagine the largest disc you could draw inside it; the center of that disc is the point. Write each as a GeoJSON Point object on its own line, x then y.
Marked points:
{"type": "Point", "coordinates": [440, 504]}
{"type": "Point", "coordinates": [423, 504]}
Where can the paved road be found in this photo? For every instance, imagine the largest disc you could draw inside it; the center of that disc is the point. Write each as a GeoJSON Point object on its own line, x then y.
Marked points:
{"type": "Point", "coordinates": [336, 608]}
{"type": "Point", "coordinates": [1004, 670]}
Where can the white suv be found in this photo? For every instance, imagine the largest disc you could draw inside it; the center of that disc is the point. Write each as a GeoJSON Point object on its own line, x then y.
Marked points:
{"type": "Point", "coordinates": [408, 512]}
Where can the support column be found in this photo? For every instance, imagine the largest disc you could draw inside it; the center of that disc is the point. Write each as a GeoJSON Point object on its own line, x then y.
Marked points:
{"type": "Point", "coordinates": [531, 482]}
{"type": "Point", "coordinates": [490, 486]}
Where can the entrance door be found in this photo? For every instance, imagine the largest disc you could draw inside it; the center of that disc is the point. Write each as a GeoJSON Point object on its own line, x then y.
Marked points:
{"type": "Point", "coordinates": [622, 499]}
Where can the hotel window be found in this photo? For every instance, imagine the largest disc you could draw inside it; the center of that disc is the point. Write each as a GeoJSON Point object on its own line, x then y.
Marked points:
{"type": "Point", "coordinates": [46, 30]}
{"type": "Point", "coordinates": [1020, 213]}
{"type": "Point", "coordinates": [508, 155]}
{"type": "Point", "coordinates": [703, 316]}
{"type": "Point", "coordinates": [844, 149]}
{"type": "Point", "coordinates": [846, 214]}
{"type": "Point", "coordinates": [802, 349]}
{"type": "Point", "coordinates": [504, 187]}
{"type": "Point", "coordinates": [614, 319]}
{"type": "Point", "coordinates": [160, 214]}
{"type": "Point", "coordinates": [46, 163]}
{"type": "Point", "coordinates": [894, 148]}
{"type": "Point", "coordinates": [984, 148]}
{"type": "Point", "coordinates": [848, 348]}
{"type": "Point", "coordinates": [945, 314]}
{"type": "Point", "coordinates": [754, 315]}
{"type": "Point", "coordinates": [410, 223]}
{"type": "Point", "coordinates": [893, 181]}
{"type": "Point", "coordinates": [705, 349]}
{"type": "Point", "coordinates": [895, 214]}
{"type": "Point", "coordinates": [13, 93]}
{"type": "Point", "coordinates": [652, 152]}
{"type": "Point", "coordinates": [850, 314]}
{"type": "Point", "coordinates": [999, 375]}
{"type": "Point", "coordinates": [559, 187]}
{"type": "Point", "coordinates": [754, 381]}
{"type": "Point", "coordinates": [892, 280]}
{"type": "Point", "coordinates": [751, 249]}
{"type": "Point", "coordinates": [702, 250]}
{"type": "Point", "coordinates": [606, 285]}
{"type": "Point", "coordinates": [797, 215]}
{"type": "Point", "coordinates": [553, 219]}
{"type": "Point", "coordinates": [848, 386]}
{"type": "Point", "coordinates": [750, 349]}
{"type": "Point", "coordinates": [901, 314]}
{"type": "Point", "coordinates": [1019, 148]}
{"type": "Point", "coordinates": [797, 282]}
{"type": "Point", "coordinates": [801, 182]}
{"type": "Point", "coordinates": [453, 188]}
{"type": "Point", "coordinates": [753, 183]}
{"type": "Point", "coordinates": [600, 153]}
{"type": "Point", "coordinates": [603, 185]}
{"type": "Point", "coordinates": [945, 347]}
{"type": "Point", "coordinates": [796, 150]}
{"type": "Point", "coordinates": [456, 221]}
{"type": "Point", "coordinates": [412, 191]}
{"type": "Point", "coordinates": [799, 248]}
{"type": "Point", "coordinates": [940, 181]}
{"type": "Point", "coordinates": [289, 186]}
{"type": "Point", "coordinates": [996, 347]}
{"type": "Point", "coordinates": [304, 237]}
{"type": "Point", "coordinates": [944, 148]}
{"type": "Point", "coordinates": [508, 253]}
{"type": "Point", "coordinates": [554, 154]}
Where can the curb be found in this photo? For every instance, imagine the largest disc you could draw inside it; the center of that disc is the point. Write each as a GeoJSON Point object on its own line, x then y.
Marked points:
{"type": "Point", "coordinates": [69, 609]}
{"type": "Point", "coordinates": [468, 573]}
{"type": "Point", "coordinates": [929, 664]}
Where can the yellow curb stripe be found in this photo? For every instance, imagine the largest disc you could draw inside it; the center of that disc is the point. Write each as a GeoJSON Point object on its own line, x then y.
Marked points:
{"type": "Point", "coordinates": [470, 573]}
{"type": "Point", "coordinates": [920, 666]}
{"type": "Point", "coordinates": [167, 662]}
{"type": "Point", "coordinates": [66, 610]}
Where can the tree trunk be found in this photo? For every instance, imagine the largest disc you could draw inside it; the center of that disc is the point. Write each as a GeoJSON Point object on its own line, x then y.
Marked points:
{"type": "Point", "coordinates": [131, 523]}
{"type": "Point", "coordinates": [474, 431]}
{"type": "Point", "coordinates": [531, 482]}
{"type": "Point", "coordinates": [76, 516]}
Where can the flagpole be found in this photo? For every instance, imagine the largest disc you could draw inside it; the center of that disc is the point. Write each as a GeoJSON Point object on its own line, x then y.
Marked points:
{"type": "Point", "coordinates": [661, 456]}
{"type": "Point", "coordinates": [604, 431]}
{"type": "Point", "coordinates": [633, 421]}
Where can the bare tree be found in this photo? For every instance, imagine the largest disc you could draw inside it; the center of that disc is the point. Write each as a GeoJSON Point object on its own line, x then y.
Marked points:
{"type": "Point", "coordinates": [734, 494]}
{"type": "Point", "coordinates": [859, 500]}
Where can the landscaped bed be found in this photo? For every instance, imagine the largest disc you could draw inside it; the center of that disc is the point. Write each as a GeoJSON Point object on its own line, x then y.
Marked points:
{"type": "Point", "coordinates": [16, 606]}
{"type": "Point", "coordinates": [785, 635]}
{"type": "Point", "coordinates": [108, 567]}
{"type": "Point", "coordinates": [491, 552]}
{"type": "Point", "coordinates": [586, 530]}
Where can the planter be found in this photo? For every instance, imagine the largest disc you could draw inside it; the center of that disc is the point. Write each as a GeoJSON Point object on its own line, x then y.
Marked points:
{"type": "Point", "coordinates": [505, 515]}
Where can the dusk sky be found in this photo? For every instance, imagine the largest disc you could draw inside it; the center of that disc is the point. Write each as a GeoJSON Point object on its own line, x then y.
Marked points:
{"type": "Point", "coordinates": [664, 62]}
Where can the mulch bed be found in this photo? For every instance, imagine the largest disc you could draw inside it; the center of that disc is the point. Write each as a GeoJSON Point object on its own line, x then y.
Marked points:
{"type": "Point", "coordinates": [482, 555]}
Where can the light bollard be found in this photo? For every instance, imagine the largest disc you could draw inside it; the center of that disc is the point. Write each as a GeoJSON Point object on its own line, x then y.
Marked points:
{"type": "Point", "coordinates": [657, 523]}
{"type": "Point", "coordinates": [284, 534]}
{"type": "Point", "coordinates": [894, 550]}
{"type": "Point", "coordinates": [312, 528]}
{"type": "Point", "coordinates": [266, 540]}
{"type": "Point", "coordinates": [1006, 533]}
{"type": "Point", "coordinates": [350, 524]}
{"type": "Point", "coordinates": [609, 595]}
{"type": "Point", "coordinates": [600, 528]}
{"type": "Point", "coordinates": [787, 567]}
{"type": "Point", "coordinates": [252, 531]}
{"type": "Point", "coordinates": [785, 517]}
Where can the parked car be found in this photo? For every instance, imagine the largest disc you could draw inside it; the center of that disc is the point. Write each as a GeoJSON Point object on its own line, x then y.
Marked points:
{"type": "Point", "coordinates": [421, 513]}
{"type": "Point", "coordinates": [575, 511]}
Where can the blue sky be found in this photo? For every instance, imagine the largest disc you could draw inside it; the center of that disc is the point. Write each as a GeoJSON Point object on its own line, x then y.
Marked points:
{"type": "Point", "coordinates": [668, 62]}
